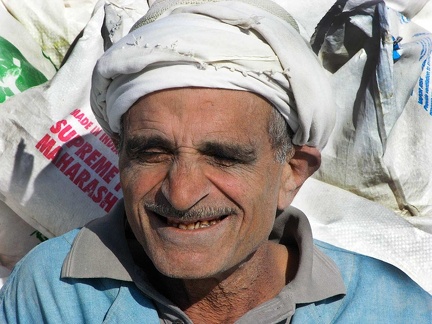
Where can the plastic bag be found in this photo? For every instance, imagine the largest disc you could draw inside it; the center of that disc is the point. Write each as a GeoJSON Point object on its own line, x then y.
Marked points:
{"type": "Point", "coordinates": [381, 64]}
{"type": "Point", "coordinates": [22, 64]}
{"type": "Point", "coordinates": [53, 24]}
{"type": "Point", "coordinates": [59, 169]}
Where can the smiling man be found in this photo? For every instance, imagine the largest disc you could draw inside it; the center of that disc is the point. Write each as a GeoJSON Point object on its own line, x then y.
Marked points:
{"type": "Point", "coordinates": [206, 208]}
{"type": "Point", "coordinates": [211, 189]}
{"type": "Point", "coordinates": [219, 110]}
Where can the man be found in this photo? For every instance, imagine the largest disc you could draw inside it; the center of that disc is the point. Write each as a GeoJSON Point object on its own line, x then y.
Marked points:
{"type": "Point", "coordinates": [204, 101]}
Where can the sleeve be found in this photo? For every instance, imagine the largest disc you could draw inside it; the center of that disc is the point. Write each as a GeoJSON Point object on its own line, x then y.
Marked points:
{"type": "Point", "coordinates": [31, 294]}
{"type": "Point", "coordinates": [377, 290]}
{"type": "Point", "coordinates": [36, 293]}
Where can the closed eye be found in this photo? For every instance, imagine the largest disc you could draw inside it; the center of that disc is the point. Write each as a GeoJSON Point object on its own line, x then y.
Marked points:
{"type": "Point", "coordinates": [224, 160]}
{"type": "Point", "coordinates": [229, 154]}
{"type": "Point", "coordinates": [153, 157]}
{"type": "Point", "coordinates": [148, 150]}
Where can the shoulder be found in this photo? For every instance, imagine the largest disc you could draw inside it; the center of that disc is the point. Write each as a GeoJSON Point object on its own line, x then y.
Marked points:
{"type": "Point", "coordinates": [377, 290]}
{"type": "Point", "coordinates": [45, 259]}
{"type": "Point", "coordinates": [36, 293]}
{"type": "Point", "coordinates": [355, 266]}
{"type": "Point", "coordinates": [33, 280]}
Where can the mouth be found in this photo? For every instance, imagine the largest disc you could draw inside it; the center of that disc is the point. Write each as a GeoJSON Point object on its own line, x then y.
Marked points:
{"type": "Point", "coordinates": [192, 219]}
{"type": "Point", "coordinates": [194, 225]}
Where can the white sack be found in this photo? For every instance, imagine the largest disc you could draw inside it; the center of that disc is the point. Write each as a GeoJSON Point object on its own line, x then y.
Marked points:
{"type": "Point", "coordinates": [54, 24]}
{"type": "Point", "coordinates": [22, 63]}
{"type": "Point", "coordinates": [354, 223]}
{"type": "Point", "coordinates": [424, 16]}
{"type": "Point", "coordinates": [354, 156]}
{"type": "Point", "coordinates": [16, 239]}
{"type": "Point", "coordinates": [52, 121]}
{"type": "Point", "coordinates": [380, 148]}
{"type": "Point", "coordinates": [55, 119]}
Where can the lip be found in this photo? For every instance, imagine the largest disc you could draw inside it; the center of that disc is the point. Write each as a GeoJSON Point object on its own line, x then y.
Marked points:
{"type": "Point", "coordinates": [174, 222]}
{"type": "Point", "coordinates": [195, 224]}
{"type": "Point", "coordinates": [206, 236]}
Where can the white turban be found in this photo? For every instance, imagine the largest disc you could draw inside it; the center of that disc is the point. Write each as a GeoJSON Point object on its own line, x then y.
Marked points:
{"type": "Point", "coordinates": [250, 45]}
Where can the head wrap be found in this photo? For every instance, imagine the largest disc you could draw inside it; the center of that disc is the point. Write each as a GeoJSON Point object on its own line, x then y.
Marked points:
{"type": "Point", "coordinates": [250, 45]}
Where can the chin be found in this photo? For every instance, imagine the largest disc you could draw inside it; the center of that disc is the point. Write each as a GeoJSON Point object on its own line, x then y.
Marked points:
{"type": "Point", "coordinates": [195, 268]}
{"type": "Point", "coordinates": [186, 275]}
{"type": "Point", "coordinates": [189, 271]}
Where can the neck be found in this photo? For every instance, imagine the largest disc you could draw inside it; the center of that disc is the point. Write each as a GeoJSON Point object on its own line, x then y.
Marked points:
{"type": "Point", "coordinates": [256, 281]}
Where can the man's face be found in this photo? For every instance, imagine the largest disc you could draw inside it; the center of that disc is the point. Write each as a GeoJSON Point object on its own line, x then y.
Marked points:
{"type": "Point", "coordinates": [200, 180]}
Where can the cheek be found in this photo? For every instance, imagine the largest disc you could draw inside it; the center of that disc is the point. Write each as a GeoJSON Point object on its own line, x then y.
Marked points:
{"type": "Point", "coordinates": [263, 195]}
{"type": "Point", "coordinates": [262, 179]}
{"type": "Point", "coordinates": [256, 192]}
{"type": "Point", "coordinates": [130, 182]}
{"type": "Point", "coordinates": [138, 181]}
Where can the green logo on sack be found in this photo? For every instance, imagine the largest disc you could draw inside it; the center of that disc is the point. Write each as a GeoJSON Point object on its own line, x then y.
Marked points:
{"type": "Point", "coordinates": [16, 73]}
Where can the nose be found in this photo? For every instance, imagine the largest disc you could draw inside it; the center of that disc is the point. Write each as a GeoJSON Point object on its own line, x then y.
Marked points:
{"type": "Point", "coordinates": [185, 184]}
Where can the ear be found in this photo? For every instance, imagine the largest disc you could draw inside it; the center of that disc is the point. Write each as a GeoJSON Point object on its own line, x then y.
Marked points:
{"type": "Point", "coordinates": [305, 161]}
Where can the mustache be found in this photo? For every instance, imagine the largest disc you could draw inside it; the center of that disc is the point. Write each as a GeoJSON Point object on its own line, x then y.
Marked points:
{"type": "Point", "coordinates": [194, 213]}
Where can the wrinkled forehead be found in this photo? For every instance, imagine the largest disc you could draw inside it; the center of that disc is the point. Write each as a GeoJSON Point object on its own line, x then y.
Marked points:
{"type": "Point", "coordinates": [197, 107]}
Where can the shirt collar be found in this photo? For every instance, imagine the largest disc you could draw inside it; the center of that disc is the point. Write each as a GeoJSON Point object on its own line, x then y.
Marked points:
{"type": "Point", "coordinates": [317, 277]}
{"type": "Point", "coordinates": [100, 250]}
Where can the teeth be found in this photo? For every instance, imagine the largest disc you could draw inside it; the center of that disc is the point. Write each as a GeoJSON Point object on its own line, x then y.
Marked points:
{"type": "Point", "coordinates": [181, 226]}
{"type": "Point", "coordinates": [203, 224]}
{"type": "Point", "coordinates": [193, 226]}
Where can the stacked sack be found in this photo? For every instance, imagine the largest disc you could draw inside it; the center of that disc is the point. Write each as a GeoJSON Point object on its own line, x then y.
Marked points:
{"type": "Point", "coordinates": [375, 180]}
{"type": "Point", "coordinates": [58, 167]}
